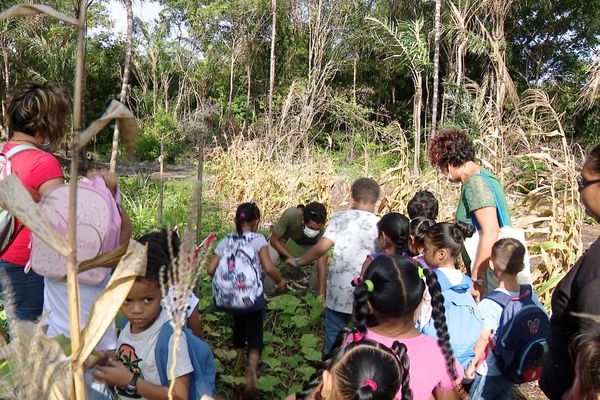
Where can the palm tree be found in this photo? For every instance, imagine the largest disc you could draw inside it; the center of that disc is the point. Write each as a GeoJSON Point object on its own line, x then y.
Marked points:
{"type": "Point", "coordinates": [272, 65]}
{"type": "Point", "coordinates": [125, 83]}
{"type": "Point", "coordinates": [405, 41]}
{"type": "Point", "coordinates": [436, 65]}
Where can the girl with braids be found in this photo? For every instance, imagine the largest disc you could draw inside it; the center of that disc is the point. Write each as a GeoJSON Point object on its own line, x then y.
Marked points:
{"type": "Point", "coordinates": [392, 238]}
{"type": "Point", "coordinates": [236, 251]}
{"type": "Point", "coordinates": [387, 301]}
{"type": "Point", "coordinates": [443, 244]}
{"type": "Point", "coordinates": [362, 370]}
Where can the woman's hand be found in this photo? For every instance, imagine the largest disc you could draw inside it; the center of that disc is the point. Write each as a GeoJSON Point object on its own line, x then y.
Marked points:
{"type": "Point", "coordinates": [113, 373]}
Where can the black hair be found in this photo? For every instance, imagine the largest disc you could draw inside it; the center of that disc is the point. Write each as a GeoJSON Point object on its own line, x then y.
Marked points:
{"type": "Point", "coordinates": [450, 147]}
{"type": "Point", "coordinates": [395, 226]}
{"type": "Point", "coordinates": [315, 212]}
{"type": "Point", "coordinates": [366, 370]}
{"type": "Point", "coordinates": [397, 292]}
{"type": "Point", "coordinates": [423, 204]}
{"type": "Point", "coordinates": [450, 236]}
{"type": "Point", "coordinates": [246, 212]}
{"type": "Point", "coordinates": [593, 159]}
{"type": "Point", "coordinates": [365, 190]}
{"type": "Point", "coordinates": [418, 229]}
{"type": "Point", "coordinates": [163, 249]}
{"type": "Point", "coordinates": [584, 350]}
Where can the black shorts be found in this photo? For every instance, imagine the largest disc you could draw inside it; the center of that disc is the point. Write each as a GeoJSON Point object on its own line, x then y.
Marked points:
{"type": "Point", "coordinates": [248, 330]}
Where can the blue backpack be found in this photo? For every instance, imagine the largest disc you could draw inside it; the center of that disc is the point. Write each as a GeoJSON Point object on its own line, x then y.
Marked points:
{"type": "Point", "coordinates": [462, 317]}
{"type": "Point", "coordinates": [521, 339]}
{"type": "Point", "coordinates": [202, 379]}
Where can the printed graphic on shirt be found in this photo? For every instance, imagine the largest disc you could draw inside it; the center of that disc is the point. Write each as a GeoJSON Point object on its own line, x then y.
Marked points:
{"type": "Point", "coordinates": [126, 354]}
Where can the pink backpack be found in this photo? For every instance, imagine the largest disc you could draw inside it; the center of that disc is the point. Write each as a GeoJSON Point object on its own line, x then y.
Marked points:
{"type": "Point", "coordinates": [98, 229]}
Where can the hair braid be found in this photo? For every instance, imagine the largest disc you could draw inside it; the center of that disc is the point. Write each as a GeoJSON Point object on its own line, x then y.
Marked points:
{"type": "Point", "coordinates": [360, 311]}
{"type": "Point", "coordinates": [402, 353]}
{"type": "Point", "coordinates": [439, 320]}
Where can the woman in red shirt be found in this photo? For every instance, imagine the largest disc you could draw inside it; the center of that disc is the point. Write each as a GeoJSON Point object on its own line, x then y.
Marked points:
{"type": "Point", "coordinates": [37, 115]}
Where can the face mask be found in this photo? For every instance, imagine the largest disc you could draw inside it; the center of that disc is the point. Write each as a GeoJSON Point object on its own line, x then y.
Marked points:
{"type": "Point", "coordinates": [450, 178]}
{"type": "Point", "coordinates": [310, 233]}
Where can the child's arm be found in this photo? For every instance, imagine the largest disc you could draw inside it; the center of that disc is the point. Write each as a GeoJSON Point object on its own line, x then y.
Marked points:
{"type": "Point", "coordinates": [115, 373]}
{"type": "Point", "coordinates": [212, 266]}
{"type": "Point", "coordinates": [365, 265]}
{"type": "Point", "coordinates": [318, 250]}
{"type": "Point", "coordinates": [194, 324]}
{"type": "Point", "coordinates": [445, 394]}
{"type": "Point", "coordinates": [479, 349]}
{"type": "Point", "coordinates": [265, 260]}
{"type": "Point", "coordinates": [322, 273]}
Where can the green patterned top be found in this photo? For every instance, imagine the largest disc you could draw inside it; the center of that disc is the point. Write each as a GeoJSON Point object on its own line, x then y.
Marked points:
{"type": "Point", "coordinates": [476, 193]}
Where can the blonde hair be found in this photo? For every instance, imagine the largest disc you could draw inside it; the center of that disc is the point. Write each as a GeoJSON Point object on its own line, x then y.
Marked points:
{"type": "Point", "coordinates": [38, 109]}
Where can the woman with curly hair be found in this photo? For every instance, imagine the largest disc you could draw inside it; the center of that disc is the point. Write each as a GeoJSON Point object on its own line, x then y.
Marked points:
{"type": "Point", "coordinates": [452, 152]}
{"type": "Point", "coordinates": [37, 119]}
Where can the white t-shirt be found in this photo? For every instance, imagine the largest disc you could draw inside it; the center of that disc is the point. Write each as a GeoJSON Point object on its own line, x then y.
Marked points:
{"type": "Point", "coordinates": [192, 301]}
{"type": "Point", "coordinates": [136, 351]}
{"type": "Point", "coordinates": [56, 304]}
{"type": "Point", "coordinates": [354, 234]}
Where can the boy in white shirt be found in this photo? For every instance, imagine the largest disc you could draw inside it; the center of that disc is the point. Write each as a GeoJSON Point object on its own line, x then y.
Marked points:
{"type": "Point", "coordinates": [134, 372]}
{"type": "Point", "coordinates": [353, 234]}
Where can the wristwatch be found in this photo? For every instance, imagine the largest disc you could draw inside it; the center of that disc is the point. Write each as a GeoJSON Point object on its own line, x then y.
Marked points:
{"type": "Point", "coordinates": [131, 388]}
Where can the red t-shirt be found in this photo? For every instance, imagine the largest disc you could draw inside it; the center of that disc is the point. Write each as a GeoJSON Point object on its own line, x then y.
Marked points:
{"type": "Point", "coordinates": [33, 167]}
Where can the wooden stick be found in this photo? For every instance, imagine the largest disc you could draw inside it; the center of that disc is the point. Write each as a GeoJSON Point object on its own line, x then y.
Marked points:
{"type": "Point", "coordinates": [80, 391]}
{"type": "Point", "coordinates": [161, 187]}
{"type": "Point", "coordinates": [200, 175]}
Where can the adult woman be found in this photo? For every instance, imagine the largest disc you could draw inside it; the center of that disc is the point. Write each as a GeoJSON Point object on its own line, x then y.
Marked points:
{"type": "Point", "coordinates": [451, 151]}
{"type": "Point", "coordinates": [37, 117]}
{"type": "Point", "coordinates": [577, 292]}
{"type": "Point", "coordinates": [296, 231]}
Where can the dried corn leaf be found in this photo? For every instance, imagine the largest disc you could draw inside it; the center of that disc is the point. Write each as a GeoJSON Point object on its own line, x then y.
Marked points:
{"type": "Point", "coordinates": [105, 309]}
{"type": "Point", "coordinates": [22, 10]}
{"type": "Point", "coordinates": [16, 199]}
{"type": "Point", "coordinates": [127, 125]}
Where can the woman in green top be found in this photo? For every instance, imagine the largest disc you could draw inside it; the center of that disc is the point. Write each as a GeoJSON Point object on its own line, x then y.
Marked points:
{"type": "Point", "coordinates": [296, 231]}
{"type": "Point", "coordinates": [451, 151]}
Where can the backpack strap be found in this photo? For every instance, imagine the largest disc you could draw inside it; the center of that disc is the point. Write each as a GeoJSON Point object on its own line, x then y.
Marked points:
{"type": "Point", "coordinates": [502, 220]}
{"type": "Point", "coordinates": [445, 283]}
{"type": "Point", "coordinates": [161, 352]}
{"type": "Point", "coordinates": [18, 149]}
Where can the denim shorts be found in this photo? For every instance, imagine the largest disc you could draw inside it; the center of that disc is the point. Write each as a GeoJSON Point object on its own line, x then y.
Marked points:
{"type": "Point", "coordinates": [26, 291]}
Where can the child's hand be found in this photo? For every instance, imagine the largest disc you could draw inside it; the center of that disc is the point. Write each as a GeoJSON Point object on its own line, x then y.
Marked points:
{"type": "Point", "coordinates": [470, 371]}
{"type": "Point", "coordinates": [113, 373]}
{"type": "Point", "coordinates": [281, 284]}
{"type": "Point", "coordinates": [291, 262]}
{"type": "Point", "coordinates": [95, 360]}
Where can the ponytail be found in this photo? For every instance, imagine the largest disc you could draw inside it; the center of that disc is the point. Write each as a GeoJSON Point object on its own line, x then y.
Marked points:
{"type": "Point", "coordinates": [439, 320]}
{"type": "Point", "coordinates": [396, 227]}
{"type": "Point", "coordinates": [402, 354]}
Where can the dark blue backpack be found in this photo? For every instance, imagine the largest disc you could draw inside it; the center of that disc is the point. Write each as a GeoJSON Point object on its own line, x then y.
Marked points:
{"type": "Point", "coordinates": [202, 379]}
{"type": "Point", "coordinates": [462, 317]}
{"type": "Point", "coordinates": [521, 339]}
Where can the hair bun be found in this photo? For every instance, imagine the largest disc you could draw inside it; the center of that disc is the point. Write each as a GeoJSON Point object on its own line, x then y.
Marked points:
{"type": "Point", "coordinates": [461, 231]}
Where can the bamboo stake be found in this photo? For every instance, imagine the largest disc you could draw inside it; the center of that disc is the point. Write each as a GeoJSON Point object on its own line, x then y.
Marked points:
{"type": "Point", "coordinates": [72, 285]}
{"type": "Point", "coordinates": [161, 187]}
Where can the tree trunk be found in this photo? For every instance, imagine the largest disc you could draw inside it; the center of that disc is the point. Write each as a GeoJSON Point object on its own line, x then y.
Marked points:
{"type": "Point", "coordinates": [248, 84]}
{"type": "Point", "coordinates": [354, 68]}
{"type": "Point", "coordinates": [231, 69]}
{"type": "Point", "coordinates": [6, 64]}
{"type": "Point", "coordinates": [436, 66]}
{"type": "Point", "coordinates": [125, 83]}
{"type": "Point", "coordinates": [417, 107]}
{"type": "Point", "coordinates": [272, 66]}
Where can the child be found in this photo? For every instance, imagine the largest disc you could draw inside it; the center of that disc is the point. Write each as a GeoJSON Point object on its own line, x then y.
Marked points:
{"type": "Point", "coordinates": [443, 243]}
{"type": "Point", "coordinates": [506, 262]}
{"type": "Point", "coordinates": [136, 371]}
{"type": "Point", "coordinates": [585, 350]}
{"type": "Point", "coordinates": [418, 228]}
{"type": "Point", "coordinates": [162, 238]}
{"type": "Point", "coordinates": [226, 267]}
{"type": "Point", "coordinates": [363, 369]}
{"type": "Point", "coordinates": [392, 237]}
{"type": "Point", "coordinates": [387, 299]}
{"type": "Point", "coordinates": [354, 234]}
{"type": "Point", "coordinates": [423, 204]}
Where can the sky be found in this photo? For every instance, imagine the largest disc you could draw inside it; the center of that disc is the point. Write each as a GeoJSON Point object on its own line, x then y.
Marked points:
{"type": "Point", "coordinates": [147, 11]}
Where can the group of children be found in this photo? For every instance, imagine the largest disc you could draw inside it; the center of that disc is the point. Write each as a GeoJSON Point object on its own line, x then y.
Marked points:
{"type": "Point", "coordinates": [400, 321]}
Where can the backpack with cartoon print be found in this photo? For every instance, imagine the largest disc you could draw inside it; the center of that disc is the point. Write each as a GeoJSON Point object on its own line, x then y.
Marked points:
{"type": "Point", "coordinates": [237, 283]}
{"type": "Point", "coordinates": [521, 338]}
